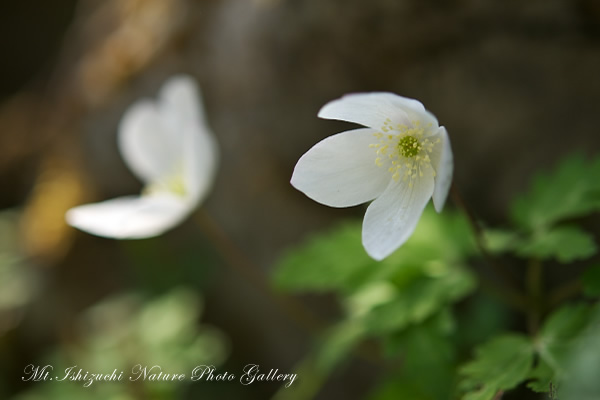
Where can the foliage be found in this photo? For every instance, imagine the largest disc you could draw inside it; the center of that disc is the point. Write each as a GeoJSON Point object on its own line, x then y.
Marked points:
{"type": "Point", "coordinates": [402, 301]}
{"type": "Point", "coordinates": [500, 364]}
{"type": "Point", "coordinates": [125, 330]}
{"type": "Point", "coordinates": [539, 215]}
{"type": "Point", "coordinates": [407, 304]}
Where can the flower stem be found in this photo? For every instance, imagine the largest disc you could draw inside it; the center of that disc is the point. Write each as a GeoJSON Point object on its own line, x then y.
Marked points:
{"type": "Point", "coordinates": [236, 260]}
{"type": "Point", "coordinates": [510, 294]}
{"type": "Point", "coordinates": [533, 280]}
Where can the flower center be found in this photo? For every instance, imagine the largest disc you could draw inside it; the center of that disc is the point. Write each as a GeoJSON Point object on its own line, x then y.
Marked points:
{"type": "Point", "coordinates": [409, 146]}
{"type": "Point", "coordinates": [405, 151]}
{"type": "Point", "coordinates": [172, 183]}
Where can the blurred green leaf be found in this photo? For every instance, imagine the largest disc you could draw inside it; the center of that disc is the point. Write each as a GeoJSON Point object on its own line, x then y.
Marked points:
{"type": "Point", "coordinates": [559, 332]}
{"type": "Point", "coordinates": [419, 300]}
{"type": "Point", "coordinates": [480, 318]}
{"type": "Point", "coordinates": [555, 342]}
{"type": "Point", "coordinates": [333, 260]}
{"type": "Point", "coordinates": [500, 364]}
{"type": "Point", "coordinates": [18, 280]}
{"type": "Point", "coordinates": [126, 330]}
{"type": "Point", "coordinates": [339, 341]}
{"type": "Point", "coordinates": [565, 244]}
{"type": "Point", "coordinates": [336, 260]}
{"type": "Point", "coordinates": [500, 240]}
{"type": "Point", "coordinates": [591, 281]}
{"type": "Point", "coordinates": [542, 376]}
{"type": "Point", "coordinates": [428, 355]}
{"type": "Point", "coordinates": [400, 387]}
{"type": "Point", "coordinates": [484, 393]}
{"type": "Point", "coordinates": [572, 190]}
{"type": "Point", "coordinates": [582, 365]}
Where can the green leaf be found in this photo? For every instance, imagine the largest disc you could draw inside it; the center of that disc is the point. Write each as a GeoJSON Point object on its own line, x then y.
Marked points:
{"type": "Point", "coordinates": [419, 300]}
{"type": "Point", "coordinates": [500, 240]}
{"type": "Point", "coordinates": [591, 281]}
{"type": "Point", "coordinates": [400, 387]}
{"type": "Point", "coordinates": [484, 393]}
{"type": "Point", "coordinates": [559, 332]}
{"type": "Point", "coordinates": [338, 343]}
{"type": "Point", "coordinates": [333, 260]}
{"type": "Point", "coordinates": [565, 244]}
{"type": "Point", "coordinates": [556, 341]}
{"type": "Point", "coordinates": [428, 355]}
{"type": "Point", "coordinates": [500, 364]}
{"type": "Point", "coordinates": [542, 377]}
{"type": "Point", "coordinates": [336, 260]}
{"type": "Point", "coordinates": [572, 190]}
{"type": "Point", "coordinates": [482, 317]}
{"type": "Point", "coordinates": [582, 366]}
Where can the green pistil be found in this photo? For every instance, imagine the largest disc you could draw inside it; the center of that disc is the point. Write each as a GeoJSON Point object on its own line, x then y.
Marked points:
{"type": "Point", "coordinates": [409, 146]}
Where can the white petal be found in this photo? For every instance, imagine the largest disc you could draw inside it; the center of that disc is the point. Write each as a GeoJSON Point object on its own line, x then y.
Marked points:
{"type": "Point", "coordinates": [132, 217]}
{"type": "Point", "coordinates": [340, 170]}
{"type": "Point", "coordinates": [443, 164]}
{"type": "Point", "coordinates": [169, 137]}
{"type": "Point", "coordinates": [391, 219]}
{"type": "Point", "coordinates": [180, 102]}
{"type": "Point", "coordinates": [150, 149]}
{"type": "Point", "coordinates": [372, 109]}
{"type": "Point", "coordinates": [200, 163]}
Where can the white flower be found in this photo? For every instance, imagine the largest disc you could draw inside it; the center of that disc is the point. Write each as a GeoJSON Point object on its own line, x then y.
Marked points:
{"type": "Point", "coordinates": [401, 160]}
{"type": "Point", "coordinates": [168, 145]}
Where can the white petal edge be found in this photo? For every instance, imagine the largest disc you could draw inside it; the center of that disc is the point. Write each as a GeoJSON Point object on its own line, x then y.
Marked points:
{"type": "Point", "coordinates": [152, 133]}
{"type": "Point", "coordinates": [392, 218]}
{"type": "Point", "coordinates": [150, 147]}
{"type": "Point", "coordinates": [200, 163]}
{"type": "Point", "coordinates": [340, 170]}
{"type": "Point", "coordinates": [131, 217]}
{"type": "Point", "coordinates": [443, 164]}
{"type": "Point", "coordinates": [201, 154]}
{"type": "Point", "coordinates": [372, 110]}
{"type": "Point", "coordinates": [182, 110]}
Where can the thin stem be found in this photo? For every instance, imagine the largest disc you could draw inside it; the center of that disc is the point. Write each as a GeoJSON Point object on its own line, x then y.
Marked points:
{"type": "Point", "coordinates": [236, 260]}
{"type": "Point", "coordinates": [510, 294]}
{"type": "Point", "coordinates": [534, 283]}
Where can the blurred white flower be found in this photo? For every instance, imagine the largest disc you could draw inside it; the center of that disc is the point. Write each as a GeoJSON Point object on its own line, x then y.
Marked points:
{"type": "Point", "coordinates": [401, 160]}
{"type": "Point", "coordinates": [168, 145]}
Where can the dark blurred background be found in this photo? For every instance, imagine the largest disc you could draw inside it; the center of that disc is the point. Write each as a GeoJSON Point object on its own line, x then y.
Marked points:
{"type": "Point", "coordinates": [515, 83]}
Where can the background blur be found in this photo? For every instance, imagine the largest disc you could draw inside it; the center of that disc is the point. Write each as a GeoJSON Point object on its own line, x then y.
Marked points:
{"type": "Point", "coordinates": [515, 83]}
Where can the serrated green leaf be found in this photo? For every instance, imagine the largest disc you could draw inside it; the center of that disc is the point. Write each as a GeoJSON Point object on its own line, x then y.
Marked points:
{"type": "Point", "coordinates": [565, 244]}
{"type": "Point", "coordinates": [591, 281]}
{"type": "Point", "coordinates": [569, 191]}
{"type": "Point", "coordinates": [500, 364]}
{"type": "Point", "coordinates": [542, 376]}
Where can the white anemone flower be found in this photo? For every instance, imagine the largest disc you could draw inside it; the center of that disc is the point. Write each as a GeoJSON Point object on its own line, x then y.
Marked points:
{"type": "Point", "coordinates": [167, 144]}
{"type": "Point", "coordinates": [401, 160]}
